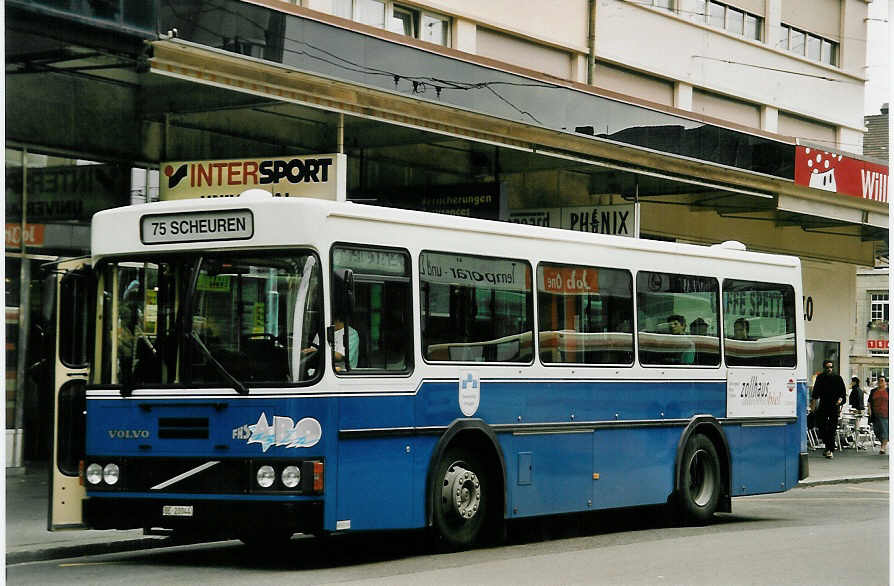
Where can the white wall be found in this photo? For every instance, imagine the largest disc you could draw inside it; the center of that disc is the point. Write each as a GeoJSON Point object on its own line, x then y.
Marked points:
{"type": "Point", "coordinates": [832, 288]}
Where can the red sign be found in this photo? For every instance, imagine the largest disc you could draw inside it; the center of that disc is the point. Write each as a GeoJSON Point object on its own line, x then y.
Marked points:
{"type": "Point", "coordinates": [840, 174]}
{"type": "Point", "coordinates": [570, 281]}
{"type": "Point", "coordinates": [877, 344]}
{"type": "Point", "coordinates": [33, 235]}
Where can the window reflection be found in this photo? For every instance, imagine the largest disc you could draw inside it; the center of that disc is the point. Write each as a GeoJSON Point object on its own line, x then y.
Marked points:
{"type": "Point", "coordinates": [476, 309]}
{"type": "Point", "coordinates": [677, 319]}
{"type": "Point", "coordinates": [585, 314]}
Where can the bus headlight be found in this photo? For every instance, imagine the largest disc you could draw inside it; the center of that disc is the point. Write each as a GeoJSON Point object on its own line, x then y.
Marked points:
{"type": "Point", "coordinates": [291, 476]}
{"type": "Point", "coordinates": [110, 473]}
{"type": "Point", "coordinates": [266, 476]}
{"type": "Point", "coordinates": [94, 473]}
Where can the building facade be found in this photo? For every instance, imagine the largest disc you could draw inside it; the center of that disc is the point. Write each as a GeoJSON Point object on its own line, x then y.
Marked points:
{"type": "Point", "coordinates": [869, 352]}
{"type": "Point", "coordinates": [689, 120]}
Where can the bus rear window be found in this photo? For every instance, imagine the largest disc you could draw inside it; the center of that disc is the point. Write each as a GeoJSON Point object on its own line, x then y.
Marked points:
{"type": "Point", "coordinates": [758, 324]}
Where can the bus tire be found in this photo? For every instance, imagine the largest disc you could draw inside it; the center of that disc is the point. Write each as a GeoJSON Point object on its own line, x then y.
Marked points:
{"type": "Point", "coordinates": [700, 481]}
{"type": "Point", "coordinates": [461, 498]}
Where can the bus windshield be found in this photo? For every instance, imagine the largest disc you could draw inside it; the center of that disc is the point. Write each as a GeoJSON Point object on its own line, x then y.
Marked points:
{"type": "Point", "coordinates": [219, 319]}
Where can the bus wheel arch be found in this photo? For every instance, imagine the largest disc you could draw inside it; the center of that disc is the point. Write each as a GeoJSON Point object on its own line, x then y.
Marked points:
{"type": "Point", "coordinates": [704, 427]}
{"type": "Point", "coordinates": [467, 458]}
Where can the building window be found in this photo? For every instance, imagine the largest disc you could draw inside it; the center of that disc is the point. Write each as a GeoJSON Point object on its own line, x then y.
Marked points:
{"type": "Point", "coordinates": [719, 15]}
{"type": "Point", "coordinates": [879, 306]}
{"type": "Point", "coordinates": [808, 45]}
{"type": "Point", "coordinates": [403, 20]}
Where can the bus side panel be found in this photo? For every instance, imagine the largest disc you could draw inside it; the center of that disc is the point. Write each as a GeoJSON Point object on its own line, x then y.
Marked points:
{"type": "Point", "coordinates": [375, 473]}
{"type": "Point", "coordinates": [634, 466]}
{"type": "Point", "coordinates": [758, 457]}
{"type": "Point", "coordinates": [549, 473]}
{"type": "Point", "coordinates": [526, 402]}
{"type": "Point", "coordinates": [792, 455]}
{"type": "Point", "coordinates": [375, 483]}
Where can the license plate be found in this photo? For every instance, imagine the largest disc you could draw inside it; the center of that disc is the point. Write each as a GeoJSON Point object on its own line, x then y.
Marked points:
{"type": "Point", "coordinates": [176, 511]}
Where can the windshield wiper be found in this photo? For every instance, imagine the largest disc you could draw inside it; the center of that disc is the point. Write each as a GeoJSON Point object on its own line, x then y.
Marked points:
{"type": "Point", "coordinates": [237, 384]}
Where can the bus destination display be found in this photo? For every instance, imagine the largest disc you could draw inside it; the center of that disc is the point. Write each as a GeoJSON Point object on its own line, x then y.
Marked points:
{"type": "Point", "coordinates": [196, 227]}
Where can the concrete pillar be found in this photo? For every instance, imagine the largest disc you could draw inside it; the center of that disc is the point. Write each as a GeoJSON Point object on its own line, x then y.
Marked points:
{"type": "Point", "coordinates": [464, 35]}
{"type": "Point", "coordinates": [579, 67]}
{"type": "Point", "coordinates": [772, 20]}
{"type": "Point", "coordinates": [682, 96]}
{"type": "Point", "coordinates": [769, 119]}
{"type": "Point", "coordinates": [849, 140]}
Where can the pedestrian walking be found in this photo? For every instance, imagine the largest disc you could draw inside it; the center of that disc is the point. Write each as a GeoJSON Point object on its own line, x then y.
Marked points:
{"type": "Point", "coordinates": [878, 412]}
{"type": "Point", "coordinates": [829, 390]}
{"type": "Point", "coordinates": [856, 396]}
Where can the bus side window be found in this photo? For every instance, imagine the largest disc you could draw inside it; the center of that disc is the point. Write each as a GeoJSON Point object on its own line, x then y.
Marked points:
{"type": "Point", "coordinates": [381, 314]}
{"type": "Point", "coordinates": [585, 314]}
{"type": "Point", "coordinates": [475, 308]}
{"type": "Point", "coordinates": [759, 324]}
{"type": "Point", "coordinates": [678, 317]}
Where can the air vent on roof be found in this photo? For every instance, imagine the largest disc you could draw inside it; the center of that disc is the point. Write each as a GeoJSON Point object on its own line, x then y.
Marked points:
{"type": "Point", "coordinates": [730, 245]}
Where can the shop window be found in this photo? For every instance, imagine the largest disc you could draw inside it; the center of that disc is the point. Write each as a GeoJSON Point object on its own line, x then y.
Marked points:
{"type": "Point", "coordinates": [475, 308]}
{"type": "Point", "coordinates": [819, 352]}
{"type": "Point", "coordinates": [677, 319]}
{"type": "Point", "coordinates": [874, 373]}
{"type": "Point", "coordinates": [585, 315]}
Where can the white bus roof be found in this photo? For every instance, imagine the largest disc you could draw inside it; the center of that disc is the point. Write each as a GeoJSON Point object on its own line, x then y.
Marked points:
{"type": "Point", "coordinates": [294, 222]}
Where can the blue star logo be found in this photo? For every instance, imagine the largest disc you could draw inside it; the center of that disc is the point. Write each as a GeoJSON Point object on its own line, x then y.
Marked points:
{"type": "Point", "coordinates": [261, 433]}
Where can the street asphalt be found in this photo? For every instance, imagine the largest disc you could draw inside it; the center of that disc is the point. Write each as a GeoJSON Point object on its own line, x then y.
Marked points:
{"type": "Point", "coordinates": [27, 538]}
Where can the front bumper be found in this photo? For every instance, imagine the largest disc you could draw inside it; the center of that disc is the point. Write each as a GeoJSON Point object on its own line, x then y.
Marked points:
{"type": "Point", "coordinates": [210, 516]}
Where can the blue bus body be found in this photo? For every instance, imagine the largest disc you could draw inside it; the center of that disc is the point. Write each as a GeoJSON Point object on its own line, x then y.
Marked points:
{"type": "Point", "coordinates": [554, 436]}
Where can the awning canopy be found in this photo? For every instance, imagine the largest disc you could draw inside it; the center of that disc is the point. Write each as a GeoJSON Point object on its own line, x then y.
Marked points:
{"type": "Point", "coordinates": [410, 116]}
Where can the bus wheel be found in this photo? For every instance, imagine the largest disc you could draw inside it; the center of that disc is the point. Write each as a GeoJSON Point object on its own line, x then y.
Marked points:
{"type": "Point", "coordinates": [460, 499]}
{"type": "Point", "coordinates": [701, 480]}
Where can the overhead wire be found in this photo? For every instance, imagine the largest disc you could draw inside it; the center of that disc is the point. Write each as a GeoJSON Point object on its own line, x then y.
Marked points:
{"type": "Point", "coordinates": [419, 82]}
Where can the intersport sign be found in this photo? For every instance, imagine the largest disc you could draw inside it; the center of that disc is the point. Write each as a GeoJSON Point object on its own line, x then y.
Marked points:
{"type": "Point", "coordinates": [317, 176]}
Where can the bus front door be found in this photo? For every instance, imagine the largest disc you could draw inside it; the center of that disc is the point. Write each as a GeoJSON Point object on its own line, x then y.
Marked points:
{"type": "Point", "coordinates": [74, 319]}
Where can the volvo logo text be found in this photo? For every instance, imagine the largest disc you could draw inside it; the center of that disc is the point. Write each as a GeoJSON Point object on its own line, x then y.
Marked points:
{"type": "Point", "coordinates": [129, 433]}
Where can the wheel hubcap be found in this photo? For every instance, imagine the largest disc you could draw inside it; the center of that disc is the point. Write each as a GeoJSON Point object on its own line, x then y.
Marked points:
{"type": "Point", "coordinates": [461, 492]}
{"type": "Point", "coordinates": [701, 478]}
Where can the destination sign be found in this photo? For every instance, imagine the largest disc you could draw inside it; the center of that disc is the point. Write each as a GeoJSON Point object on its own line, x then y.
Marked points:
{"type": "Point", "coordinates": [196, 227]}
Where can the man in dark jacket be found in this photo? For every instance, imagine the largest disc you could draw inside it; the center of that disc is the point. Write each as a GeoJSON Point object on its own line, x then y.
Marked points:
{"type": "Point", "coordinates": [829, 390]}
{"type": "Point", "coordinates": [856, 397]}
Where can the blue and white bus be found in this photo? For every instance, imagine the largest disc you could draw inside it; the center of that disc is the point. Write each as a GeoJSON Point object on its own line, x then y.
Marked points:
{"type": "Point", "coordinates": [264, 366]}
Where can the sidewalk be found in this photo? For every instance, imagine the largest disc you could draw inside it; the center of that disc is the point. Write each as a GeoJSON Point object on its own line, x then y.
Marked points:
{"type": "Point", "coordinates": [27, 538]}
